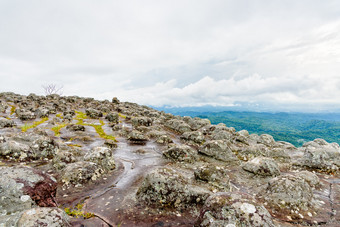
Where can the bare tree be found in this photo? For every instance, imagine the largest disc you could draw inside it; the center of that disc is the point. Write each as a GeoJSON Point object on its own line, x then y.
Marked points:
{"type": "Point", "coordinates": [51, 89]}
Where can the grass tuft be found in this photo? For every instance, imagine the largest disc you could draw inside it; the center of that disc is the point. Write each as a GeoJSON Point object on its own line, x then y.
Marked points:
{"type": "Point", "coordinates": [35, 124]}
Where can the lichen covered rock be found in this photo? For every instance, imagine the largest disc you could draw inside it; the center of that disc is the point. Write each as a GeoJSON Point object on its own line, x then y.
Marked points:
{"type": "Point", "coordinates": [23, 188]}
{"type": "Point", "coordinates": [79, 173]}
{"type": "Point", "coordinates": [319, 154]}
{"type": "Point", "coordinates": [102, 156]}
{"type": "Point", "coordinates": [262, 166]}
{"type": "Point", "coordinates": [218, 149]}
{"type": "Point", "coordinates": [6, 123]}
{"type": "Point", "coordinates": [181, 153]}
{"type": "Point", "coordinates": [43, 216]}
{"type": "Point", "coordinates": [215, 176]}
{"type": "Point", "coordinates": [233, 209]}
{"type": "Point", "coordinates": [93, 113]}
{"type": "Point", "coordinates": [165, 187]}
{"type": "Point", "coordinates": [288, 192]}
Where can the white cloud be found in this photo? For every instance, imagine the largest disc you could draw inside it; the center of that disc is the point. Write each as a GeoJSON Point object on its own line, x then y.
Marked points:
{"type": "Point", "coordinates": [161, 52]}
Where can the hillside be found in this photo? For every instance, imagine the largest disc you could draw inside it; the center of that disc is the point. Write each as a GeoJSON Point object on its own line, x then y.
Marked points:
{"type": "Point", "coordinates": [73, 161]}
{"type": "Point", "coordinates": [296, 128]}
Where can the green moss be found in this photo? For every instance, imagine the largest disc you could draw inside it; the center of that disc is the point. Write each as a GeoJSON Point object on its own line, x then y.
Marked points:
{"type": "Point", "coordinates": [74, 145]}
{"type": "Point", "coordinates": [78, 212]}
{"type": "Point", "coordinates": [99, 129]}
{"type": "Point", "coordinates": [35, 124]}
{"type": "Point", "coordinates": [59, 115]}
{"type": "Point", "coordinates": [12, 109]}
{"type": "Point", "coordinates": [56, 129]}
{"type": "Point", "coordinates": [121, 115]}
{"type": "Point", "coordinates": [80, 116]}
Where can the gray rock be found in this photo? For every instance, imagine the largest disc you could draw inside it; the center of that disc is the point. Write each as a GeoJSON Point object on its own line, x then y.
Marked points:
{"type": "Point", "coordinates": [181, 153]}
{"type": "Point", "coordinates": [43, 216]}
{"type": "Point", "coordinates": [102, 156]}
{"type": "Point", "coordinates": [115, 100]}
{"type": "Point", "coordinates": [93, 113]}
{"type": "Point", "coordinates": [15, 150]}
{"type": "Point", "coordinates": [197, 123]}
{"type": "Point", "coordinates": [311, 178]}
{"type": "Point", "coordinates": [165, 187]}
{"type": "Point", "coordinates": [195, 137]}
{"type": "Point", "coordinates": [137, 137]}
{"type": "Point", "coordinates": [214, 175]}
{"type": "Point", "coordinates": [22, 188]}
{"type": "Point", "coordinates": [5, 123]}
{"type": "Point", "coordinates": [141, 121]}
{"type": "Point", "coordinates": [75, 127]}
{"type": "Point", "coordinates": [42, 112]}
{"type": "Point", "coordinates": [233, 209]}
{"type": "Point", "coordinates": [178, 126]}
{"type": "Point", "coordinates": [218, 149]}
{"type": "Point", "coordinates": [288, 192]}
{"type": "Point", "coordinates": [319, 154]}
{"type": "Point", "coordinates": [25, 115]}
{"type": "Point", "coordinates": [262, 166]}
{"type": "Point", "coordinates": [112, 117]}
{"type": "Point", "coordinates": [266, 139]}
{"type": "Point", "coordinates": [79, 173]}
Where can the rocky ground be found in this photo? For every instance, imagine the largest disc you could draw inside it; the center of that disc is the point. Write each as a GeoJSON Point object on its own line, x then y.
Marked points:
{"type": "Point", "coordinates": [71, 161]}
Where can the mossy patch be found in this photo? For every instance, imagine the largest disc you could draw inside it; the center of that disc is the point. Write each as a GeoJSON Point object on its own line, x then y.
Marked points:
{"type": "Point", "coordinates": [80, 116]}
{"type": "Point", "coordinates": [121, 115]}
{"type": "Point", "coordinates": [12, 109]}
{"type": "Point", "coordinates": [35, 124]}
{"type": "Point", "coordinates": [78, 212]}
{"type": "Point", "coordinates": [56, 129]}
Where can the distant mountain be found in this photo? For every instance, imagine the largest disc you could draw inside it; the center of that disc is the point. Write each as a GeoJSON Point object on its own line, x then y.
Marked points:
{"type": "Point", "coordinates": [295, 128]}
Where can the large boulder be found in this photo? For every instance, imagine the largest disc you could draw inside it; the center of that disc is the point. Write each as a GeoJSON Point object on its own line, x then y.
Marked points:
{"type": "Point", "coordinates": [6, 123]}
{"type": "Point", "coordinates": [93, 113]}
{"type": "Point", "coordinates": [44, 216]}
{"type": "Point", "coordinates": [215, 176]}
{"type": "Point", "coordinates": [79, 173]}
{"type": "Point", "coordinates": [233, 209]}
{"type": "Point", "coordinates": [25, 115]}
{"type": "Point", "coordinates": [14, 150]}
{"type": "Point", "coordinates": [112, 117]}
{"type": "Point", "coordinates": [319, 154]}
{"type": "Point", "coordinates": [178, 126]}
{"type": "Point", "coordinates": [218, 149]}
{"type": "Point", "coordinates": [165, 187]}
{"type": "Point", "coordinates": [193, 137]}
{"type": "Point", "coordinates": [102, 156]}
{"type": "Point", "coordinates": [137, 137]}
{"type": "Point", "coordinates": [287, 193]}
{"type": "Point", "coordinates": [141, 121]}
{"type": "Point", "coordinates": [262, 166]}
{"type": "Point", "coordinates": [23, 188]}
{"type": "Point", "coordinates": [181, 153]}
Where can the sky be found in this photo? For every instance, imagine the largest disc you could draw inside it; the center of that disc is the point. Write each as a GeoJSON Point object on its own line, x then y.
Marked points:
{"type": "Point", "coordinates": [270, 54]}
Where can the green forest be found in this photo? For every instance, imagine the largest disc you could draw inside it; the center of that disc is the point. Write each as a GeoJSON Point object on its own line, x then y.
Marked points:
{"type": "Point", "coordinates": [296, 128]}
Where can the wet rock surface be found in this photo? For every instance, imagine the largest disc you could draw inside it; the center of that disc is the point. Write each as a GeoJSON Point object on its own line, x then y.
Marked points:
{"type": "Point", "coordinates": [72, 161]}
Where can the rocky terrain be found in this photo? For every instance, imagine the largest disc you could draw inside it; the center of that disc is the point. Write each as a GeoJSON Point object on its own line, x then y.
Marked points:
{"type": "Point", "coordinates": [71, 161]}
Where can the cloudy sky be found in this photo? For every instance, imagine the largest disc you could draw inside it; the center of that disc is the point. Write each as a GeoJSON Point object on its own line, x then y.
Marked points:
{"type": "Point", "coordinates": [276, 54]}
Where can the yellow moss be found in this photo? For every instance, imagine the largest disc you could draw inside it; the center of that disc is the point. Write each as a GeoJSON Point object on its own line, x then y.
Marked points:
{"type": "Point", "coordinates": [35, 124]}
{"type": "Point", "coordinates": [80, 116]}
{"type": "Point", "coordinates": [59, 115]}
{"type": "Point", "coordinates": [74, 145]}
{"type": "Point", "coordinates": [121, 115]}
{"type": "Point", "coordinates": [12, 109]}
{"type": "Point", "coordinates": [56, 129]}
{"type": "Point", "coordinates": [78, 212]}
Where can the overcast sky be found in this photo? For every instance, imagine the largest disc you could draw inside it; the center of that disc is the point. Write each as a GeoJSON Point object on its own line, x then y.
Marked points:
{"type": "Point", "coordinates": [279, 54]}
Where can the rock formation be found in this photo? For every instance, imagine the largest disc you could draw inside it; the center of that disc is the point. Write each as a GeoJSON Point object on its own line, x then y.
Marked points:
{"type": "Point", "coordinates": [72, 161]}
